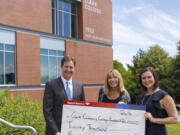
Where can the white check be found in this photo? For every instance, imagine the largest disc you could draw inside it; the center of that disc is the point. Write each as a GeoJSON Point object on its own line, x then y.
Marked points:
{"type": "Point", "coordinates": [90, 118]}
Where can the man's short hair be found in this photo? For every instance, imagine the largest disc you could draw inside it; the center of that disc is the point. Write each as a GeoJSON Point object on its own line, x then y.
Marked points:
{"type": "Point", "coordinates": [68, 58]}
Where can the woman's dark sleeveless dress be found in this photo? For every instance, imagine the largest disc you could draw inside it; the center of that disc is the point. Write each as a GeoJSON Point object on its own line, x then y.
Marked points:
{"type": "Point", "coordinates": [153, 106]}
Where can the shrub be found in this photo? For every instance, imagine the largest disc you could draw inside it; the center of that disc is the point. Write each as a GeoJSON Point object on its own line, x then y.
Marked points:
{"type": "Point", "coordinates": [20, 111]}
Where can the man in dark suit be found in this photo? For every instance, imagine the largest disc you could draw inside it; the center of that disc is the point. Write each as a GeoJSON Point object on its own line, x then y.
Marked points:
{"type": "Point", "coordinates": [56, 91]}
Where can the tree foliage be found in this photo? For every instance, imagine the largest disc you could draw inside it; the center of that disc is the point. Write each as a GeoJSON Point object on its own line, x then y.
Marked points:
{"type": "Point", "coordinates": [20, 111]}
{"type": "Point", "coordinates": [127, 78]}
{"type": "Point", "coordinates": [167, 68]}
{"type": "Point", "coordinates": [176, 75]}
{"type": "Point", "coordinates": [157, 58]}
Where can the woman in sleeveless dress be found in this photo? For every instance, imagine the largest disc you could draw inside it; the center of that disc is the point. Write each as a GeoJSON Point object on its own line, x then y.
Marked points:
{"type": "Point", "coordinates": [160, 107]}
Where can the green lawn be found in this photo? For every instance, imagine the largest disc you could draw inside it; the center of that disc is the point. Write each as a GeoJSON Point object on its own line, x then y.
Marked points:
{"type": "Point", "coordinates": [173, 129]}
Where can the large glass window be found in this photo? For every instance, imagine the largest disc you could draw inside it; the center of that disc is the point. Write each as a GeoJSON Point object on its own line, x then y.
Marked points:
{"type": "Point", "coordinates": [50, 64]}
{"type": "Point", "coordinates": [7, 64]}
{"type": "Point", "coordinates": [64, 14]}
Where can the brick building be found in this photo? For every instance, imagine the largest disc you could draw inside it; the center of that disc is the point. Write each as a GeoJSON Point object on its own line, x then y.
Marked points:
{"type": "Point", "coordinates": [36, 34]}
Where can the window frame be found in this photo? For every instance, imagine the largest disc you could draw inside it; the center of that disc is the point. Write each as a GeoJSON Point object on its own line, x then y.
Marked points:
{"type": "Point", "coordinates": [4, 51]}
{"type": "Point", "coordinates": [55, 20]}
{"type": "Point", "coordinates": [7, 37]}
{"type": "Point", "coordinates": [49, 56]}
{"type": "Point", "coordinates": [54, 44]}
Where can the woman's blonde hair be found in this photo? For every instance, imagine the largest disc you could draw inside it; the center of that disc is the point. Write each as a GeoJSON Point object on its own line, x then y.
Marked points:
{"type": "Point", "coordinates": [115, 73]}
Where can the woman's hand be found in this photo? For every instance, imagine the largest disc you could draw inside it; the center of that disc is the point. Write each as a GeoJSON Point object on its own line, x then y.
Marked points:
{"type": "Point", "coordinates": [58, 133]}
{"type": "Point", "coordinates": [121, 102]}
{"type": "Point", "coordinates": [148, 116]}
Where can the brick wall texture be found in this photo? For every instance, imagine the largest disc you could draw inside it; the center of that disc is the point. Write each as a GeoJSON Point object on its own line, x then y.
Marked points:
{"type": "Point", "coordinates": [27, 14]}
{"type": "Point", "coordinates": [93, 62]}
{"type": "Point", "coordinates": [27, 59]}
{"type": "Point", "coordinates": [93, 58]}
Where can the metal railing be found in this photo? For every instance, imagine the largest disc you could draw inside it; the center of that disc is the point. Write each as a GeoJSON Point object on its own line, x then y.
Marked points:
{"type": "Point", "coordinates": [18, 126]}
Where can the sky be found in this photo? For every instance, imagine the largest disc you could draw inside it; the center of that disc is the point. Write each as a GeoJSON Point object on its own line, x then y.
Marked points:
{"type": "Point", "coordinates": [139, 24]}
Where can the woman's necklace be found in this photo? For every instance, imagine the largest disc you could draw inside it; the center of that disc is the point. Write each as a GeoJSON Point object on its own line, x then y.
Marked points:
{"type": "Point", "coordinates": [113, 95]}
{"type": "Point", "coordinates": [145, 102]}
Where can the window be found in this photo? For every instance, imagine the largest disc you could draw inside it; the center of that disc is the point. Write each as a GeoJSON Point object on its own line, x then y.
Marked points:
{"type": "Point", "coordinates": [64, 14]}
{"type": "Point", "coordinates": [50, 64]}
{"type": "Point", "coordinates": [7, 58]}
{"type": "Point", "coordinates": [7, 64]}
{"type": "Point", "coordinates": [51, 52]}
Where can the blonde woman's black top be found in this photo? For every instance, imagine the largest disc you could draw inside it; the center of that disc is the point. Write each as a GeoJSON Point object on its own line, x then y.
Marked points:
{"type": "Point", "coordinates": [124, 97]}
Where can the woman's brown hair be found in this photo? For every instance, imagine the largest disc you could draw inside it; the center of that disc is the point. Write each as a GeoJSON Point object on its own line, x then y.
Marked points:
{"type": "Point", "coordinates": [151, 69]}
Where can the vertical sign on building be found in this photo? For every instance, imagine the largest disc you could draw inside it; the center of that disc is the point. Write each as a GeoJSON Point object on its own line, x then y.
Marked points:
{"type": "Point", "coordinates": [97, 21]}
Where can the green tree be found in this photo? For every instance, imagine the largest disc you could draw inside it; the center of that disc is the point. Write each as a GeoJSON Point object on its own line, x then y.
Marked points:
{"type": "Point", "coordinates": [157, 58]}
{"type": "Point", "coordinates": [176, 75]}
{"type": "Point", "coordinates": [127, 78]}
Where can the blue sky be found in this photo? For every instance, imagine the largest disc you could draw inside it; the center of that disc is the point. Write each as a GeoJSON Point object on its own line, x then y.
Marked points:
{"type": "Point", "coordinates": [143, 23]}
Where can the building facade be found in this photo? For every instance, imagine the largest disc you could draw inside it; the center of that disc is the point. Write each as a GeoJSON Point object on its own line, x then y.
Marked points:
{"type": "Point", "coordinates": [36, 34]}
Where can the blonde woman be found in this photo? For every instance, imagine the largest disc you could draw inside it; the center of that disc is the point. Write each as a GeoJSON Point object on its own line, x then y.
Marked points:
{"type": "Point", "coordinates": [114, 90]}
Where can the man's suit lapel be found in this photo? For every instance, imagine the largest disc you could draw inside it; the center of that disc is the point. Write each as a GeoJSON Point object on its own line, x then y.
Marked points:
{"type": "Point", "coordinates": [61, 86]}
{"type": "Point", "coordinates": [74, 88]}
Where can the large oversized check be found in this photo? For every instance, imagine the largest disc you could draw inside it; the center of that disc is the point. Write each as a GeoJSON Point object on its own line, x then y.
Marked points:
{"type": "Point", "coordinates": [91, 118]}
